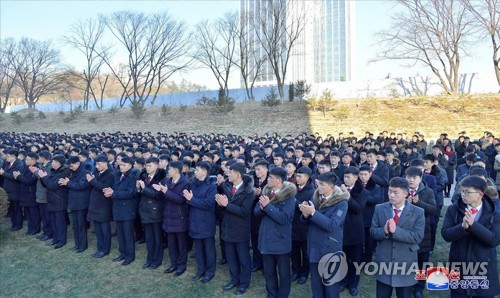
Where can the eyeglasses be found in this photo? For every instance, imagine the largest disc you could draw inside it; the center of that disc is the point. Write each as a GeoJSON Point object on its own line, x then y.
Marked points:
{"type": "Point", "coordinates": [467, 193]}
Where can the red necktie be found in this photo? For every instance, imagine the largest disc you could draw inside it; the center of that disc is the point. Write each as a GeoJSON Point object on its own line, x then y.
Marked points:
{"type": "Point", "coordinates": [234, 191]}
{"type": "Point", "coordinates": [396, 215]}
{"type": "Point", "coordinates": [372, 168]}
{"type": "Point", "coordinates": [323, 199]}
{"type": "Point", "coordinates": [364, 184]}
{"type": "Point", "coordinates": [412, 193]}
{"type": "Point", "coordinates": [474, 211]}
{"type": "Point", "coordinates": [349, 189]}
{"type": "Point", "coordinates": [300, 188]}
{"type": "Point", "coordinates": [122, 177]}
{"type": "Point", "coordinates": [272, 194]}
{"type": "Point", "coordinates": [173, 184]}
{"type": "Point", "coordinates": [260, 182]}
{"type": "Point", "coordinates": [10, 166]}
{"type": "Point", "coordinates": [149, 179]}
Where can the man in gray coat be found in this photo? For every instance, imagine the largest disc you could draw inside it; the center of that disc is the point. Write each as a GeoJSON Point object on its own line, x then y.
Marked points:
{"type": "Point", "coordinates": [398, 227]}
{"type": "Point", "coordinates": [41, 194]}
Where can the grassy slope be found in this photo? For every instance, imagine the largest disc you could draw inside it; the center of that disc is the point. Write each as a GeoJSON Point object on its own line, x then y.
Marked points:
{"type": "Point", "coordinates": [428, 116]}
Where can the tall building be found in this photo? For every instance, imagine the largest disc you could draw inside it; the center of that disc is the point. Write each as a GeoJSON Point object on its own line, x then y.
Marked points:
{"type": "Point", "coordinates": [323, 51]}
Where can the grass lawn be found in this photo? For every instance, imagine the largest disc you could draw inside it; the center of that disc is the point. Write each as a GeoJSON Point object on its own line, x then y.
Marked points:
{"type": "Point", "coordinates": [28, 268]}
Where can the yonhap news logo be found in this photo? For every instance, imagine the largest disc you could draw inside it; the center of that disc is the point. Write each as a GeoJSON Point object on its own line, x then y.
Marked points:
{"type": "Point", "coordinates": [332, 268]}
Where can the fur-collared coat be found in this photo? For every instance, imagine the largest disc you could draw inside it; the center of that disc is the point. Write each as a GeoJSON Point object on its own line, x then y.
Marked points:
{"type": "Point", "coordinates": [275, 234]}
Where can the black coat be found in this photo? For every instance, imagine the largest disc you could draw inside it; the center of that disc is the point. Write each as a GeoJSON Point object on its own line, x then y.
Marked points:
{"type": "Point", "coordinates": [11, 185]}
{"type": "Point", "coordinates": [79, 189]}
{"type": "Point", "coordinates": [300, 227]}
{"type": "Point", "coordinates": [28, 188]}
{"type": "Point", "coordinates": [151, 204]}
{"type": "Point", "coordinates": [57, 195]}
{"type": "Point", "coordinates": [100, 207]}
{"type": "Point", "coordinates": [236, 220]}
{"type": "Point", "coordinates": [427, 202]}
{"type": "Point", "coordinates": [354, 228]}
{"type": "Point", "coordinates": [176, 211]}
{"type": "Point", "coordinates": [124, 202]}
{"type": "Point", "coordinates": [202, 209]}
{"type": "Point", "coordinates": [477, 244]}
{"type": "Point", "coordinates": [381, 176]}
{"type": "Point", "coordinates": [375, 197]}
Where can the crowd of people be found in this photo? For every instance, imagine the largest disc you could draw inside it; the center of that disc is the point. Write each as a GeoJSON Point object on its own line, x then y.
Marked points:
{"type": "Point", "coordinates": [281, 203]}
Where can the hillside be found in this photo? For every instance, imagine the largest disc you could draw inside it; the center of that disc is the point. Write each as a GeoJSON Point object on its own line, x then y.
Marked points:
{"type": "Point", "coordinates": [429, 116]}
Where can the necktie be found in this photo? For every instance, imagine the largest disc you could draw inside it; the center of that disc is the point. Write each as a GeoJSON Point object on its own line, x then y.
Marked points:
{"type": "Point", "coordinates": [412, 192]}
{"type": "Point", "coordinates": [10, 166]}
{"type": "Point", "coordinates": [323, 199]}
{"type": "Point", "coordinates": [260, 182]}
{"type": "Point", "coordinates": [272, 194]}
{"type": "Point", "coordinates": [173, 184]}
{"type": "Point", "coordinates": [396, 215]}
{"type": "Point", "coordinates": [474, 211]}
{"type": "Point", "coordinates": [300, 188]}
{"type": "Point", "coordinates": [122, 177]}
{"type": "Point", "coordinates": [372, 168]}
{"type": "Point", "coordinates": [364, 184]}
{"type": "Point", "coordinates": [149, 179]}
{"type": "Point", "coordinates": [234, 191]}
{"type": "Point", "coordinates": [348, 189]}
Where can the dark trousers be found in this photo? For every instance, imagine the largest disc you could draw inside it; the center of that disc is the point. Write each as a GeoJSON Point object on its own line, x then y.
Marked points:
{"type": "Point", "coordinates": [177, 250]}
{"type": "Point", "coordinates": [103, 236]}
{"type": "Point", "coordinates": [34, 220]}
{"type": "Point", "coordinates": [368, 247]}
{"type": "Point", "coordinates": [319, 289]}
{"type": "Point", "coordinates": [154, 243]}
{"type": "Point", "coordinates": [138, 228]}
{"type": "Point", "coordinates": [126, 243]}
{"type": "Point", "coordinates": [205, 256]}
{"type": "Point", "coordinates": [434, 225]}
{"type": "Point", "coordinates": [80, 228]}
{"type": "Point", "coordinates": [422, 258]}
{"type": "Point", "coordinates": [256, 255]}
{"type": "Point", "coordinates": [353, 254]}
{"type": "Point", "coordinates": [222, 243]}
{"type": "Point", "coordinates": [300, 260]}
{"type": "Point", "coordinates": [45, 216]}
{"type": "Point", "coordinates": [385, 291]}
{"type": "Point", "coordinates": [59, 226]}
{"type": "Point", "coordinates": [239, 263]}
{"type": "Point", "coordinates": [16, 214]}
{"type": "Point", "coordinates": [282, 263]}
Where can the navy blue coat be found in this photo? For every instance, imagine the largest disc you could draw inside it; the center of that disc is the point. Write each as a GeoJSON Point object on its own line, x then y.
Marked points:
{"type": "Point", "coordinates": [381, 176]}
{"type": "Point", "coordinates": [477, 244]}
{"type": "Point", "coordinates": [426, 201]}
{"type": "Point", "coordinates": [151, 204]}
{"type": "Point", "coordinates": [236, 218]}
{"type": "Point", "coordinates": [326, 225]}
{"type": "Point", "coordinates": [11, 185]}
{"type": "Point", "coordinates": [79, 189]}
{"type": "Point", "coordinates": [28, 188]}
{"type": "Point", "coordinates": [57, 195]}
{"type": "Point", "coordinates": [300, 227]}
{"type": "Point", "coordinates": [100, 207]}
{"type": "Point", "coordinates": [354, 228]}
{"type": "Point", "coordinates": [202, 208]}
{"type": "Point", "coordinates": [375, 197]}
{"type": "Point", "coordinates": [176, 212]}
{"type": "Point", "coordinates": [124, 202]}
{"type": "Point", "coordinates": [275, 234]}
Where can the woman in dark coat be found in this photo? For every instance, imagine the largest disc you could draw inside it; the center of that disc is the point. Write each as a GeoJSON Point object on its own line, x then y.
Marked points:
{"type": "Point", "coordinates": [100, 206]}
{"type": "Point", "coordinates": [450, 168]}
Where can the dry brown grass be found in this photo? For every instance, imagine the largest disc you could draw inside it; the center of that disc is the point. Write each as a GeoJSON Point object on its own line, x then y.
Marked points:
{"type": "Point", "coordinates": [430, 116]}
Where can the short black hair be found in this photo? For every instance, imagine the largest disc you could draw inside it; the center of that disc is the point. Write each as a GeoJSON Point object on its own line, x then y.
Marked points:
{"type": "Point", "coordinates": [413, 172]}
{"type": "Point", "coordinates": [177, 165]}
{"type": "Point", "coordinates": [475, 182]}
{"type": "Point", "coordinates": [398, 182]}
{"type": "Point", "coordinates": [305, 170]}
{"type": "Point", "coordinates": [279, 173]}
{"type": "Point", "coordinates": [204, 165]}
{"type": "Point", "coordinates": [478, 172]}
{"type": "Point", "coordinates": [417, 162]}
{"type": "Point", "coordinates": [154, 160]}
{"type": "Point", "coordinates": [329, 178]}
{"type": "Point", "coordinates": [365, 168]}
{"type": "Point", "coordinates": [263, 163]}
{"type": "Point", "coordinates": [351, 170]}
{"type": "Point", "coordinates": [430, 157]}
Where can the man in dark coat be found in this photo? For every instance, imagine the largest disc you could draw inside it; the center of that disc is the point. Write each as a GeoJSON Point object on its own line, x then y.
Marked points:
{"type": "Point", "coordinates": [151, 208]}
{"type": "Point", "coordinates": [236, 198]}
{"type": "Point", "coordinates": [28, 194]}
{"type": "Point", "coordinates": [175, 216]}
{"type": "Point", "coordinates": [325, 214]}
{"type": "Point", "coordinates": [201, 200]}
{"type": "Point", "coordinates": [354, 228]}
{"type": "Point", "coordinates": [260, 181]}
{"type": "Point", "coordinates": [41, 194]}
{"type": "Point", "coordinates": [79, 196]}
{"type": "Point", "coordinates": [375, 197]}
{"type": "Point", "coordinates": [423, 197]}
{"type": "Point", "coordinates": [124, 209]}
{"type": "Point", "coordinates": [472, 225]}
{"type": "Point", "coordinates": [276, 207]}
{"type": "Point", "coordinates": [300, 260]}
{"type": "Point", "coordinates": [57, 200]}
{"type": "Point", "coordinates": [13, 187]}
{"type": "Point", "coordinates": [380, 172]}
{"type": "Point", "coordinates": [100, 207]}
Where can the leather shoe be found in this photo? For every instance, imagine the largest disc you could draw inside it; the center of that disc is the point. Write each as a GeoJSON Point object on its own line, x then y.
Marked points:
{"type": "Point", "coordinates": [44, 238]}
{"type": "Point", "coordinates": [206, 279]}
{"type": "Point", "coordinates": [147, 265]}
{"type": "Point", "coordinates": [13, 229]}
{"type": "Point", "coordinates": [179, 273]}
{"type": "Point", "coordinates": [294, 277]}
{"type": "Point", "coordinates": [153, 267]}
{"type": "Point", "coordinates": [40, 236]}
{"type": "Point", "coordinates": [118, 259]}
{"type": "Point", "coordinates": [170, 269]}
{"type": "Point", "coordinates": [58, 246]}
{"type": "Point", "coordinates": [240, 291]}
{"type": "Point", "coordinates": [50, 243]}
{"type": "Point", "coordinates": [222, 262]}
{"type": "Point", "coordinates": [98, 255]}
{"type": "Point", "coordinates": [127, 262]}
{"type": "Point", "coordinates": [196, 277]}
{"type": "Point", "coordinates": [80, 250]}
{"type": "Point", "coordinates": [255, 269]}
{"type": "Point", "coordinates": [302, 280]}
{"type": "Point", "coordinates": [418, 294]}
{"type": "Point", "coordinates": [76, 248]}
{"type": "Point", "coordinates": [353, 291]}
{"type": "Point", "coordinates": [229, 286]}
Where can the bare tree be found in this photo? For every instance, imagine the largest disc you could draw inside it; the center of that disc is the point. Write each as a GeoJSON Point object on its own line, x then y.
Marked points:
{"type": "Point", "coordinates": [487, 12]}
{"type": "Point", "coordinates": [156, 47]}
{"type": "Point", "coordinates": [433, 33]}
{"type": "Point", "coordinates": [7, 72]}
{"type": "Point", "coordinates": [86, 37]}
{"type": "Point", "coordinates": [278, 27]}
{"type": "Point", "coordinates": [38, 69]}
{"type": "Point", "coordinates": [216, 47]}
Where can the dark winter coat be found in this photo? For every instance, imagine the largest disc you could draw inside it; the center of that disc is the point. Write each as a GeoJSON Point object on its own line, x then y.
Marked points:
{"type": "Point", "coordinates": [79, 189]}
{"type": "Point", "coordinates": [202, 208]}
{"type": "Point", "coordinates": [41, 190]}
{"type": "Point", "coordinates": [375, 197]}
{"type": "Point", "coordinates": [275, 234]}
{"type": "Point", "coordinates": [57, 195]}
{"type": "Point", "coordinates": [100, 207]}
{"type": "Point", "coordinates": [11, 185]}
{"type": "Point", "coordinates": [28, 188]}
{"type": "Point", "coordinates": [427, 202]}
{"type": "Point", "coordinates": [477, 244]}
{"type": "Point", "coordinates": [124, 201]}
{"type": "Point", "coordinates": [450, 169]}
{"type": "Point", "coordinates": [381, 176]}
{"type": "Point", "coordinates": [151, 204]}
{"type": "Point", "coordinates": [354, 228]}
{"type": "Point", "coordinates": [176, 210]}
{"type": "Point", "coordinates": [300, 227]}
